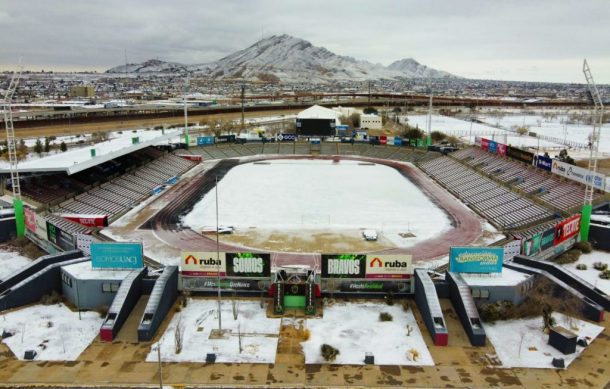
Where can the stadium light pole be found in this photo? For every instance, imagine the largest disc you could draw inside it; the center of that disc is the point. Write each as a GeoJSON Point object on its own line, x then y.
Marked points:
{"type": "Point", "coordinates": [598, 116]}
{"type": "Point", "coordinates": [186, 123]}
{"type": "Point", "coordinates": [218, 260]}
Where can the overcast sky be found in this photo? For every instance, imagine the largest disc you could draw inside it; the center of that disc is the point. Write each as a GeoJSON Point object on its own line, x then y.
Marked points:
{"type": "Point", "coordinates": [542, 40]}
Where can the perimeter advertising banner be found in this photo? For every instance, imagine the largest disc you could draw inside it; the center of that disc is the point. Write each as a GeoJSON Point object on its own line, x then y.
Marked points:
{"type": "Point", "coordinates": [492, 146]}
{"type": "Point", "coordinates": [287, 137]}
{"type": "Point", "coordinates": [397, 141]}
{"type": "Point", "coordinates": [343, 265]}
{"type": "Point", "coordinates": [478, 141]}
{"type": "Point", "coordinates": [205, 140]}
{"type": "Point", "coordinates": [59, 237]}
{"type": "Point", "coordinates": [30, 219]}
{"type": "Point", "coordinates": [578, 174]}
{"type": "Point", "coordinates": [511, 249]}
{"type": "Point", "coordinates": [476, 259]}
{"type": "Point", "coordinates": [501, 150]}
{"type": "Point", "coordinates": [521, 155]}
{"type": "Point", "coordinates": [388, 266]}
{"type": "Point", "coordinates": [87, 220]}
{"type": "Point", "coordinates": [123, 255]}
{"type": "Point", "coordinates": [484, 144]}
{"type": "Point", "coordinates": [203, 264]}
{"type": "Point", "coordinates": [548, 238]}
{"type": "Point", "coordinates": [544, 163]}
{"type": "Point", "coordinates": [566, 229]}
{"type": "Point", "coordinates": [531, 246]}
{"type": "Point", "coordinates": [248, 265]}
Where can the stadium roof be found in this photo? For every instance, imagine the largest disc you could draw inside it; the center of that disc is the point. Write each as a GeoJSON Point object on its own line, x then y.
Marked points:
{"type": "Point", "coordinates": [318, 112]}
{"type": "Point", "coordinates": [76, 160]}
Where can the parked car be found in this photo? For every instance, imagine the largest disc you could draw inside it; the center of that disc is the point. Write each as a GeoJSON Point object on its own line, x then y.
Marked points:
{"type": "Point", "coordinates": [369, 234]}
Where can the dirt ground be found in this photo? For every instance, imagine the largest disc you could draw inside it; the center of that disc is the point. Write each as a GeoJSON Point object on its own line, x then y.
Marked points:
{"type": "Point", "coordinates": [458, 365]}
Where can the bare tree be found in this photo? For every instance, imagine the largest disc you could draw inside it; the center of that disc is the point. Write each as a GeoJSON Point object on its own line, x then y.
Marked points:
{"type": "Point", "coordinates": [179, 335]}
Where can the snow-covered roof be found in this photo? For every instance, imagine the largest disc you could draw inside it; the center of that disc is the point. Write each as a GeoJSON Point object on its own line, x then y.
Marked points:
{"type": "Point", "coordinates": [84, 271]}
{"type": "Point", "coordinates": [508, 277]}
{"type": "Point", "coordinates": [318, 112]}
{"type": "Point", "coordinates": [76, 160]}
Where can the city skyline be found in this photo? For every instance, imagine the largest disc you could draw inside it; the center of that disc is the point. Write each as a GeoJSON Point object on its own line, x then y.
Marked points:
{"type": "Point", "coordinates": [545, 41]}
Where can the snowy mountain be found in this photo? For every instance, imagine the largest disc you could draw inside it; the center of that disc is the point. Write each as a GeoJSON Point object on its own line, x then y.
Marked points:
{"type": "Point", "coordinates": [289, 59]}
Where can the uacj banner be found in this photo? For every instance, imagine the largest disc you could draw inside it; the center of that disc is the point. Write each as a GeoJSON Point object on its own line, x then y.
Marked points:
{"type": "Point", "coordinates": [203, 264]}
{"type": "Point", "coordinates": [343, 265]}
{"type": "Point", "coordinates": [476, 259]}
{"type": "Point", "coordinates": [248, 265]}
{"type": "Point", "coordinates": [388, 266]}
{"type": "Point", "coordinates": [501, 150]}
{"type": "Point", "coordinates": [566, 229]}
{"type": "Point", "coordinates": [116, 255]}
{"type": "Point", "coordinates": [578, 174]}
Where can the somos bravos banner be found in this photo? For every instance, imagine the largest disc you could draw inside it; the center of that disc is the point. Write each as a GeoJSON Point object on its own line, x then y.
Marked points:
{"type": "Point", "coordinates": [248, 265]}
{"type": "Point", "coordinates": [476, 259]}
{"type": "Point", "coordinates": [234, 265]}
{"type": "Point", "coordinates": [366, 266]}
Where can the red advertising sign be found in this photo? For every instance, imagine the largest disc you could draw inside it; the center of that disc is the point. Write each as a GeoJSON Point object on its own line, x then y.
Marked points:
{"type": "Point", "coordinates": [383, 140]}
{"type": "Point", "coordinates": [88, 220]}
{"type": "Point", "coordinates": [30, 219]}
{"type": "Point", "coordinates": [501, 150]}
{"type": "Point", "coordinates": [566, 229]}
{"type": "Point", "coordinates": [195, 158]}
{"type": "Point", "coordinates": [484, 143]}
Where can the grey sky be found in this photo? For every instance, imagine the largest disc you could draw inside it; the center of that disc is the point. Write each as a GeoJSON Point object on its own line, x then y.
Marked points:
{"type": "Point", "coordinates": [543, 40]}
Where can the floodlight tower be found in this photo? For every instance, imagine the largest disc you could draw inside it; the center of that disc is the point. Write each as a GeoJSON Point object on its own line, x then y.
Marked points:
{"type": "Point", "coordinates": [12, 152]}
{"type": "Point", "coordinates": [429, 121]}
{"type": "Point", "coordinates": [598, 115]}
{"type": "Point", "coordinates": [186, 122]}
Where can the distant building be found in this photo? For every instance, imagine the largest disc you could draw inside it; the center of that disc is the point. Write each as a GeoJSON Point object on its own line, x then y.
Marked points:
{"type": "Point", "coordinates": [317, 121]}
{"type": "Point", "coordinates": [370, 122]}
{"type": "Point", "coordinates": [85, 91]}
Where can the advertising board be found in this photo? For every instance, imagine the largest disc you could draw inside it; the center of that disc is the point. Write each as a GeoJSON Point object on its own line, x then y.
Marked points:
{"type": "Point", "coordinates": [491, 147]}
{"type": "Point", "coordinates": [203, 264]}
{"type": "Point", "coordinates": [566, 229]}
{"type": "Point", "coordinates": [520, 155]}
{"type": "Point", "coordinates": [397, 141]}
{"type": "Point", "coordinates": [578, 174]}
{"type": "Point", "coordinates": [83, 243]}
{"type": "Point", "coordinates": [544, 163]}
{"type": "Point", "coordinates": [478, 141]}
{"type": "Point", "coordinates": [116, 255]}
{"type": "Point", "coordinates": [485, 144]}
{"type": "Point", "coordinates": [476, 259]}
{"type": "Point", "coordinates": [377, 286]}
{"type": "Point", "coordinates": [501, 150]}
{"type": "Point", "coordinates": [59, 237]}
{"type": "Point", "coordinates": [87, 220]}
{"type": "Point", "coordinates": [226, 284]}
{"type": "Point", "coordinates": [224, 139]}
{"type": "Point", "coordinates": [388, 266]}
{"type": "Point", "coordinates": [194, 158]}
{"type": "Point", "coordinates": [531, 246]}
{"type": "Point", "coordinates": [248, 265]}
{"type": "Point", "coordinates": [30, 219]}
{"type": "Point", "coordinates": [343, 265]}
{"type": "Point", "coordinates": [511, 249]}
{"type": "Point", "coordinates": [287, 137]}
{"type": "Point", "coordinates": [547, 239]}
{"type": "Point", "coordinates": [383, 140]}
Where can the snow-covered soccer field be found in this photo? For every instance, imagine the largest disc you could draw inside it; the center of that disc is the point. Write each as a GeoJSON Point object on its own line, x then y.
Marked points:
{"type": "Point", "coordinates": [296, 196]}
{"type": "Point", "coordinates": [355, 328]}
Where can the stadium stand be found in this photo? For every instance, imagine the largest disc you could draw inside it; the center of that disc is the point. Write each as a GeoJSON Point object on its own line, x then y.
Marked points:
{"type": "Point", "coordinates": [496, 203]}
{"type": "Point", "coordinates": [563, 195]}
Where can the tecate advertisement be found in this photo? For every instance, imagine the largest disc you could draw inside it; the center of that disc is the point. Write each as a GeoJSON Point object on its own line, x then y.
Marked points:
{"type": "Point", "coordinates": [248, 265]}
{"type": "Point", "coordinates": [388, 266]}
{"type": "Point", "coordinates": [116, 255]}
{"type": "Point", "coordinates": [203, 264]}
{"type": "Point", "coordinates": [476, 259]}
{"type": "Point", "coordinates": [566, 229]}
{"type": "Point", "coordinates": [343, 265]}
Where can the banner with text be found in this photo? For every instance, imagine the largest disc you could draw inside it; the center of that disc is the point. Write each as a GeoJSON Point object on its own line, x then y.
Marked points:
{"type": "Point", "coordinates": [248, 265]}
{"type": "Point", "coordinates": [566, 229]}
{"type": "Point", "coordinates": [476, 259]}
{"type": "Point", "coordinates": [388, 266]}
{"type": "Point", "coordinates": [578, 174]}
{"type": "Point", "coordinates": [123, 255]}
{"type": "Point", "coordinates": [203, 264]}
{"type": "Point", "coordinates": [343, 265]}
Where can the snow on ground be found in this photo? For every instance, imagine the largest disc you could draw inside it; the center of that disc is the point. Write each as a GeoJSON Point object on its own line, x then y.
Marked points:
{"type": "Point", "coordinates": [10, 262]}
{"type": "Point", "coordinates": [297, 195]}
{"type": "Point", "coordinates": [199, 317]}
{"type": "Point", "coordinates": [507, 277]}
{"type": "Point", "coordinates": [354, 328]}
{"type": "Point", "coordinates": [64, 339]}
{"type": "Point", "coordinates": [522, 343]}
{"type": "Point", "coordinates": [591, 275]}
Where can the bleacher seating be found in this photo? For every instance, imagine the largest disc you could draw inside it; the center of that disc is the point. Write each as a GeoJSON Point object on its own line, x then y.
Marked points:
{"type": "Point", "coordinates": [496, 203]}
{"type": "Point", "coordinates": [548, 187]}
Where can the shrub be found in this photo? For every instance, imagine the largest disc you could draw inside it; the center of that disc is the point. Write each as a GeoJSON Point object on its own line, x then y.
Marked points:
{"type": "Point", "coordinates": [389, 298]}
{"type": "Point", "coordinates": [306, 334]}
{"type": "Point", "coordinates": [605, 275]}
{"type": "Point", "coordinates": [568, 257]}
{"type": "Point", "coordinates": [102, 310]}
{"type": "Point", "coordinates": [329, 353]}
{"type": "Point", "coordinates": [51, 298]}
{"type": "Point", "coordinates": [600, 266]}
{"type": "Point", "coordinates": [500, 310]}
{"type": "Point", "coordinates": [384, 316]}
{"type": "Point", "coordinates": [581, 266]}
{"type": "Point", "coordinates": [583, 246]}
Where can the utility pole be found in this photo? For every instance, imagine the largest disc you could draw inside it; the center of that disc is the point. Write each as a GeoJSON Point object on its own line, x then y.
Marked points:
{"type": "Point", "coordinates": [243, 98]}
{"type": "Point", "coordinates": [598, 117]}
{"type": "Point", "coordinates": [218, 261]}
{"type": "Point", "coordinates": [369, 93]}
{"type": "Point", "coordinates": [186, 122]}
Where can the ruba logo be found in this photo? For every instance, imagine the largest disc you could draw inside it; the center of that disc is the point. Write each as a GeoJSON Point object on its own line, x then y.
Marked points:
{"type": "Point", "coordinates": [376, 262]}
{"type": "Point", "coordinates": [192, 260]}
